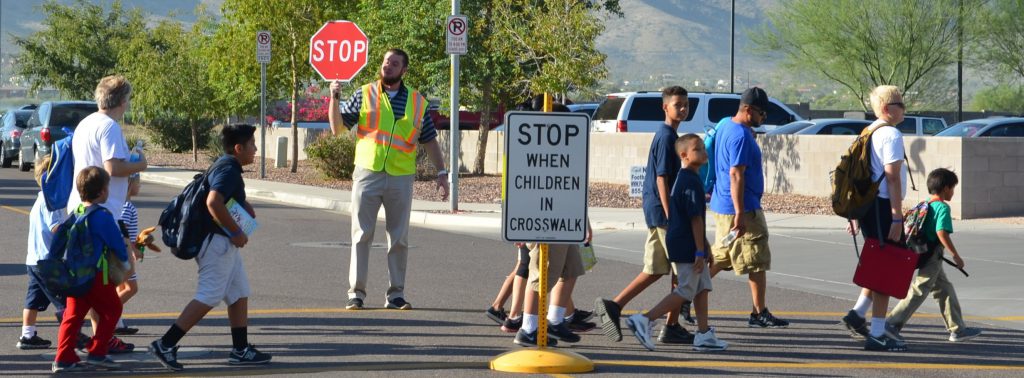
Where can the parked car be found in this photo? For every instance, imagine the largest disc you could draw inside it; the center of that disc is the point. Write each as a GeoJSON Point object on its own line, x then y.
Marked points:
{"type": "Point", "coordinates": [642, 112]}
{"type": "Point", "coordinates": [823, 126]}
{"type": "Point", "coordinates": [987, 127]}
{"type": "Point", "coordinates": [468, 120]}
{"type": "Point", "coordinates": [49, 123]}
{"type": "Point", "coordinates": [917, 125]}
{"type": "Point", "coordinates": [588, 108]}
{"type": "Point", "coordinates": [12, 125]}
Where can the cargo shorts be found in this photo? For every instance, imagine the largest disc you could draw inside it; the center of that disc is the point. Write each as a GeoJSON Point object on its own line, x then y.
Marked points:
{"type": "Point", "coordinates": [748, 253]}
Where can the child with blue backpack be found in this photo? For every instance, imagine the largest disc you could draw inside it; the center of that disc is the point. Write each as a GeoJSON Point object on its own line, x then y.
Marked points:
{"type": "Point", "coordinates": [107, 248]}
{"type": "Point", "coordinates": [41, 224]}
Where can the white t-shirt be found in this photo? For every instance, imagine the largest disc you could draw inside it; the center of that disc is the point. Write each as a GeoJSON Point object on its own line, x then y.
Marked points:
{"type": "Point", "coordinates": [886, 148]}
{"type": "Point", "coordinates": [98, 138]}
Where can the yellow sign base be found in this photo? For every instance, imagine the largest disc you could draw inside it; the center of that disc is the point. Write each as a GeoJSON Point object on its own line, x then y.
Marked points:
{"type": "Point", "coordinates": [547, 360]}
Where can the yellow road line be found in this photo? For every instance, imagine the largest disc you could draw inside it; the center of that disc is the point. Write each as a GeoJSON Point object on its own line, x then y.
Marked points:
{"type": "Point", "coordinates": [393, 366]}
{"type": "Point", "coordinates": [811, 365]}
{"type": "Point", "coordinates": [273, 311]}
{"type": "Point", "coordinates": [14, 209]}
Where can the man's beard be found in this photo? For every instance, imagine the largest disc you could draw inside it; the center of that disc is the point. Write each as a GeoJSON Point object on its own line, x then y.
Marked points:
{"type": "Point", "coordinates": [389, 81]}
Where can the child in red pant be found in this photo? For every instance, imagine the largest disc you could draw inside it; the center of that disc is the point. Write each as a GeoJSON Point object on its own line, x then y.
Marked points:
{"type": "Point", "coordinates": [92, 185]}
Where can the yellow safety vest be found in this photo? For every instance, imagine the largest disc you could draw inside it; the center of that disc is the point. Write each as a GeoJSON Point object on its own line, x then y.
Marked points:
{"type": "Point", "coordinates": [387, 144]}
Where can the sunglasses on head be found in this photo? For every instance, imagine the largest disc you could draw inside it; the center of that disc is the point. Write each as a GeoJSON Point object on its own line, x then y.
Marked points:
{"type": "Point", "coordinates": [759, 112]}
{"type": "Point", "coordinates": [898, 104]}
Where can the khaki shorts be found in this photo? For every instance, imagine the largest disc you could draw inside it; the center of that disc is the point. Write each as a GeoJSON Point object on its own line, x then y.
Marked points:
{"type": "Point", "coordinates": [655, 253]}
{"type": "Point", "coordinates": [750, 252]}
{"type": "Point", "coordinates": [691, 284]}
{"type": "Point", "coordinates": [564, 263]}
{"type": "Point", "coordinates": [221, 273]}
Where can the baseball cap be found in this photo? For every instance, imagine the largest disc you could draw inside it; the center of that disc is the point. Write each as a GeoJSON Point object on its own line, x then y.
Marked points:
{"type": "Point", "coordinates": [755, 96]}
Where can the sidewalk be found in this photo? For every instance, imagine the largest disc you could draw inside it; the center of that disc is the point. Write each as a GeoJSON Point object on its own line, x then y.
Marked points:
{"type": "Point", "coordinates": [487, 215]}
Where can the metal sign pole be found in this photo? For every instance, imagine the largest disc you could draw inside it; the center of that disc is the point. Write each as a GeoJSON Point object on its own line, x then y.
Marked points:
{"type": "Point", "coordinates": [453, 127]}
{"type": "Point", "coordinates": [263, 120]}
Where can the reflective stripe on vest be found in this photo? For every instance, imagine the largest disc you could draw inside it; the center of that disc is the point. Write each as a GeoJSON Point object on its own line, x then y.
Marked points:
{"type": "Point", "coordinates": [387, 144]}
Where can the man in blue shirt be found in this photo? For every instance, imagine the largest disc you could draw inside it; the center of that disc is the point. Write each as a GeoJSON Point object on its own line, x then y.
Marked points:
{"type": "Point", "coordinates": [736, 203]}
{"type": "Point", "coordinates": [662, 167]}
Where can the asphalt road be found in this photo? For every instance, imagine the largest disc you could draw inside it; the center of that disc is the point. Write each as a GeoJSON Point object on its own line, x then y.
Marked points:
{"type": "Point", "coordinates": [297, 266]}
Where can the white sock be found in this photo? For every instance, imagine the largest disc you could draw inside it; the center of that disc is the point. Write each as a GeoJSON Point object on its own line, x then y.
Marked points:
{"type": "Point", "coordinates": [28, 331]}
{"type": "Point", "coordinates": [529, 323]}
{"type": "Point", "coordinates": [555, 314]}
{"type": "Point", "coordinates": [120, 323]}
{"type": "Point", "coordinates": [862, 306]}
{"type": "Point", "coordinates": [877, 327]}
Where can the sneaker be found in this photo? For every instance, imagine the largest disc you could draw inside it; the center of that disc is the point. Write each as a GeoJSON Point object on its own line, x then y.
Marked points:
{"type": "Point", "coordinates": [248, 356]}
{"type": "Point", "coordinates": [167, 356]}
{"type": "Point", "coordinates": [125, 331]}
{"type": "Point", "coordinates": [354, 304]}
{"type": "Point", "coordinates": [641, 327]}
{"type": "Point", "coordinates": [498, 316]}
{"type": "Point", "coordinates": [964, 334]}
{"type": "Point", "coordinates": [766, 320]}
{"type": "Point", "coordinates": [527, 339]}
{"type": "Point", "coordinates": [562, 332]}
{"type": "Point", "coordinates": [73, 367]}
{"type": "Point", "coordinates": [102, 362]}
{"type": "Point", "coordinates": [608, 313]}
{"type": "Point", "coordinates": [578, 324]}
{"type": "Point", "coordinates": [856, 325]}
{"type": "Point", "coordinates": [684, 313]}
{"type": "Point", "coordinates": [707, 341]}
{"type": "Point", "coordinates": [884, 343]}
{"type": "Point", "coordinates": [117, 346]}
{"type": "Point", "coordinates": [893, 332]}
{"type": "Point", "coordinates": [83, 342]}
{"type": "Point", "coordinates": [675, 334]}
{"type": "Point", "coordinates": [582, 315]}
{"type": "Point", "coordinates": [34, 342]}
{"type": "Point", "coordinates": [398, 304]}
{"type": "Point", "coordinates": [512, 324]}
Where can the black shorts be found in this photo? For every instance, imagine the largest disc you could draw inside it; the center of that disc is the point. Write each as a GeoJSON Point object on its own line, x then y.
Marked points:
{"type": "Point", "coordinates": [523, 269]}
{"type": "Point", "coordinates": [878, 219]}
{"type": "Point", "coordinates": [38, 297]}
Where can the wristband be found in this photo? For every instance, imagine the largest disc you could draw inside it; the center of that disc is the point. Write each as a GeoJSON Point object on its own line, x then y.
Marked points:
{"type": "Point", "coordinates": [442, 172]}
{"type": "Point", "coordinates": [895, 221]}
{"type": "Point", "coordinates": [233, 234]}
{"type": "Point", "coordinates": [700, 254]}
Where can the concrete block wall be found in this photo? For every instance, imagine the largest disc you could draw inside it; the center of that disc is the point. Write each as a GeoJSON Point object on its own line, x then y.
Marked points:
{"type": "Point", "coordinates": [991, 170]}
{"type": "Point", "coordinates": [306, 137]}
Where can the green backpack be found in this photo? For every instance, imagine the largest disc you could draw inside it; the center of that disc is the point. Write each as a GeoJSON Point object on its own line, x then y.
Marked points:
{"type": "Point", "coordinates": [853, 190]}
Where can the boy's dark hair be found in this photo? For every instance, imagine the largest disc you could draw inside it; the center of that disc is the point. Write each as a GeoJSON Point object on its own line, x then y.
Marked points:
{"type": "Point", "coordinates": [401, 53]}
{"type": "Point", "coordinates": [674, 90]}
{"type": "Point", "coordinates": [238, 133]}
{"type": "Point", "coordinates": [685, 141]}
{"type": "Point", "coordinates": [91, 182]}
{"type": "Point", "coordinates": [940, 179]}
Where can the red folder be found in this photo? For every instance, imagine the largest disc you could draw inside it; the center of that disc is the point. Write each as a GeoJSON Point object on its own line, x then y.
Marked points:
{"type": "Point", "coordinates": [887, 269]}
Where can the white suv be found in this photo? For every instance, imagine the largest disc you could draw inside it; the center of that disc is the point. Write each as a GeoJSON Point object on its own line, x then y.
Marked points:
{"type": "Point", "coordinates": [642, 112]}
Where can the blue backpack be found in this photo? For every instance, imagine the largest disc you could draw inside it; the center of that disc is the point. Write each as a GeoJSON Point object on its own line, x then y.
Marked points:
{"type": "Point", "coordinates": [707, 171]}
{"type": "Point", "coordinates": [57, 181]}
{"type": "Point", "coordinates": [71, 263]}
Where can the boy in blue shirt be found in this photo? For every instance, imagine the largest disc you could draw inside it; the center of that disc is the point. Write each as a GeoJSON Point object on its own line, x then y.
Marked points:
{"type": "Point", "coordinates": [93, 188]}
{"type": "Point", "coordinates": [687, 250]}
{"type": "Point", "coordinates": [662, 166]}
{"type": "Point", "coordinates": [222, 275]}
{"type": "Point", "coordinates": [931, 279]}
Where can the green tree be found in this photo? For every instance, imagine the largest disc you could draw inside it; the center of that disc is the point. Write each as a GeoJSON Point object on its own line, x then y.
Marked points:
{"type": "Point", "coordinates": [233, 69]}
{"type": "Point", "coordinates": [1000, 98]}
{"type": "Point", "coordinates": [77, 46]}
{"type": "Point", "coordinates": [170, 81]}
{"type": "Point", "coordinates": [1001, 36]}
{"type": "Point", "coordinates": [861, 44]}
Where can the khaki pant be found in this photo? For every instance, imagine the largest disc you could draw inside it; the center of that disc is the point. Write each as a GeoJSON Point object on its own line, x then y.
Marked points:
{"type": "Point", "coordinates": [564, 263]}
{"type": "Point", "coordinates": [748, 253]}
{"type": "Point", "coordinates": [930, 279]}
{"type": "Point", "coordinates": [370, 190]}
{"type": "Point", "coordinates": [656, 252]}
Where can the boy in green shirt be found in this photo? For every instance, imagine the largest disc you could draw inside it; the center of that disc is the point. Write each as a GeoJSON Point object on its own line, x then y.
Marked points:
{"type": "Point", "coordinates": [931, 279]}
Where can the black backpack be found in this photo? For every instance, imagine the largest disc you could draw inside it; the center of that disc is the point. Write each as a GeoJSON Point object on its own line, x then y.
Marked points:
{"type": "Point", "coordinates": [186, 222]}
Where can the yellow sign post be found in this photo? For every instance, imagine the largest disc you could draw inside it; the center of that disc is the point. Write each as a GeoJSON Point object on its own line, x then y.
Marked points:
{"type": "Point", "coordinates": [541, 359]}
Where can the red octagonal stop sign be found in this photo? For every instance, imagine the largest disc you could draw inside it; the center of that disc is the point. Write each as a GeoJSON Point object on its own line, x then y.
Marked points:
{"type": "Point", "coordinates": [338, 51]}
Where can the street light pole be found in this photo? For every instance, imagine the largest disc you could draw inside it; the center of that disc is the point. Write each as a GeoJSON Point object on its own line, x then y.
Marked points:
{"type": "Point", "coordinates": [732, 48]}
